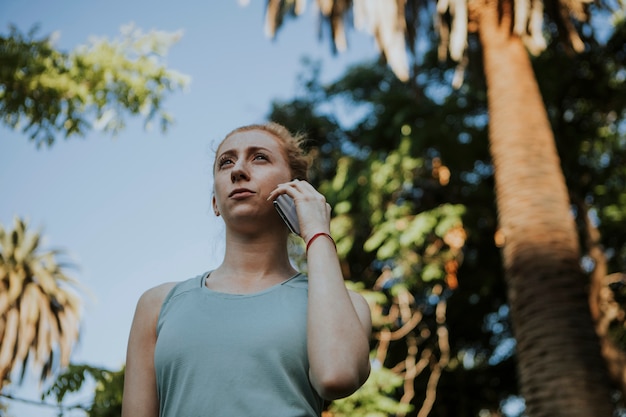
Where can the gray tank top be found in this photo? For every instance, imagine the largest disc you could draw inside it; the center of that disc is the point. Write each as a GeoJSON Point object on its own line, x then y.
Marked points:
{"type": "Point", "coordinates": [228, 355]}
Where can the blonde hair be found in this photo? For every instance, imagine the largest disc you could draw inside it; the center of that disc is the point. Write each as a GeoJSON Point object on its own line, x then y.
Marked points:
{"type": "Point", "coordinates": [292, 146]}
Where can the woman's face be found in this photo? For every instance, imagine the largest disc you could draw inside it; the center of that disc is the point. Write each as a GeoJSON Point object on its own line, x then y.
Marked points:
{"type": "Point", "coordinates": [249, 165]}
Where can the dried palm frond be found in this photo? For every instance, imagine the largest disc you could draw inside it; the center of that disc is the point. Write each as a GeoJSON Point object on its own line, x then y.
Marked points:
{"type": "Point", "coordinates": [334, 13]}
{"type": "Point", "coordinates": [39, 311]}
{"type": "Point", "coordinates": [9, 336]}
{"type": "Point", "coordinates": [452, 31]}
{"type": "Point", "coordinates": [276, 10]}
{"type": "Point", "coordinates": [386, 21]}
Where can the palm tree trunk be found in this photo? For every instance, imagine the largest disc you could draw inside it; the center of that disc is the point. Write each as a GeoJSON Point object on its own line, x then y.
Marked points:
{"type": "Point", "coordinates": [561, 372]}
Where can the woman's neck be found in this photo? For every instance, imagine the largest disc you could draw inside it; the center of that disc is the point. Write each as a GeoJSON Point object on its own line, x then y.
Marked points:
{"type": "Point", "coordinates": [252, 263]}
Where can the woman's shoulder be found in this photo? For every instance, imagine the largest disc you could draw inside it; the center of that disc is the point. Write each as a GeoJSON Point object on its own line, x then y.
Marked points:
{"type": "Point", "coordinates": [152, 299]}
{"type": "Point", "coordinates": [156, 296]}
{"type": "Point", "coordinates": [159, 292]}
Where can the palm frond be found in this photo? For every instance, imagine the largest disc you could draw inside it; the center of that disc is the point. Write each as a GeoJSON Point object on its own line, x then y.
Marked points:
{"type": "Point", "coordinates": [7, 349]}
{"type": "Point", "coordinates": [275, 13]}
{"type": "Point", "coordinates": [39, 309]}
{"type": "Point", "coordinates": [393, 23]}
{"type": "Point", "coordinates": [385, 21]}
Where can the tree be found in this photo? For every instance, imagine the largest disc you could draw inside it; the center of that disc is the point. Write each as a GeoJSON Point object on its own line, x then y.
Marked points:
{"type": "Point", "coordinates": [109, 387]}
{"type": "Point", "coordinates": [39, 307]}
{"type": "Point", "coordinates": [47, 92]}
{"type": "Point", "coordinates": [561, 372]}
{"type": "Point", "coordinates": [586, 108]}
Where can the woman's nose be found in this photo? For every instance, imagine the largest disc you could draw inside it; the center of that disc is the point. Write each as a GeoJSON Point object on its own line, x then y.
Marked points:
{"type": "Point", "coordinates": [238, 173]}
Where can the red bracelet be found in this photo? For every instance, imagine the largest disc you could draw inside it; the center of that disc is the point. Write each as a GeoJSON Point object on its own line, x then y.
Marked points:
{"type": "Point", "coordinates": [315, 236]}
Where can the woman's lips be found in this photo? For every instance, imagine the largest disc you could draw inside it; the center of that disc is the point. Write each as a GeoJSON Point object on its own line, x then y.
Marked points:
{"type": "Point", "coordinates": [241, 193]}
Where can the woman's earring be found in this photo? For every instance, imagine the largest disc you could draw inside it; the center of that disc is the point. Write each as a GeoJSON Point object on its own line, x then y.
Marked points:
{"type": "Point", "coordinates": [217, 213]}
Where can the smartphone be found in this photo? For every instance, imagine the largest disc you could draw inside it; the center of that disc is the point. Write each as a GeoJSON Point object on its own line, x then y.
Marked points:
{"type": "Point", "coordinates": [287, 210]}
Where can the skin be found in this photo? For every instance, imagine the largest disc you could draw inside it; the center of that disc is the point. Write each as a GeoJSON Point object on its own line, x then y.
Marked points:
{"type": "Point", "coordinates": [251, 171]}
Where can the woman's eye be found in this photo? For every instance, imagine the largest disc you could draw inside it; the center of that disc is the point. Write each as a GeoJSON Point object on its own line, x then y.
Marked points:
{"type": "Point", "coordinates": [260, 156]}
{"type": "Point", "coordinates": [225, 161]}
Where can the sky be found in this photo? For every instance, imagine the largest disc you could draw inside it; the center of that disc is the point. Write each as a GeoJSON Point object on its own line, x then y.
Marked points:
{"type": "Point", "coordinates": [134, 211]}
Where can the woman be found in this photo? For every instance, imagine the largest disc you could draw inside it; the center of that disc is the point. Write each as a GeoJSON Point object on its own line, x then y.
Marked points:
{"type": "Point", "coordinates": [253, 337]}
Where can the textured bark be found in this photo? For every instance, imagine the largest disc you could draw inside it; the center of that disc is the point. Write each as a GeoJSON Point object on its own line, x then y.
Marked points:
{"type": "Point", "coordinates": [561, 371]}
{"type": "Point", "coordinates": [605, 310]}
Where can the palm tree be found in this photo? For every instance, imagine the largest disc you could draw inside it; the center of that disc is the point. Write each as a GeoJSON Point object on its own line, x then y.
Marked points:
{"type": "Point", "coordinates": [561, 371]}
{"type": "Point", "coordinates": [39, 313]}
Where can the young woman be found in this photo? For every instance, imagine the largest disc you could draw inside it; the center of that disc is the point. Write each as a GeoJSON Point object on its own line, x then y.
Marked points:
{"type": "Point", "coordinates": [253, 337]}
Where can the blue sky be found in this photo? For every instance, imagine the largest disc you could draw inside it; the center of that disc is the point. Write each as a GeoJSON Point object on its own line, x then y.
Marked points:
{"type": "Point", "coordinates": [134, 211]}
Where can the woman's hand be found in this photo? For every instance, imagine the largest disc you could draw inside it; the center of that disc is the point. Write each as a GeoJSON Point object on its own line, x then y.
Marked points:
{"type": "Point", "coordinates": [311, 206]}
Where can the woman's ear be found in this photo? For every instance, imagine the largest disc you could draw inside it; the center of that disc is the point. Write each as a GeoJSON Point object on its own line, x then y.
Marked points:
{"type": "Point", "coordinates": [214, 203]}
